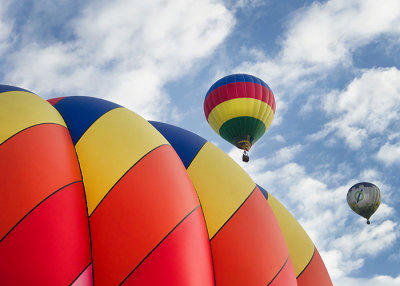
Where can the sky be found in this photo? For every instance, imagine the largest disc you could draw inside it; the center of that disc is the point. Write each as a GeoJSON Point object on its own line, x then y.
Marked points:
{"type": "Point", "coordinates": [334, 67]}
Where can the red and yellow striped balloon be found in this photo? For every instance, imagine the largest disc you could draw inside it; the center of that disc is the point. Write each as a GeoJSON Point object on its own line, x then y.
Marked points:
{"type": "Point", "coordinates": [93, 194]}
{"type": "Point", "coordinates": [240, 108]}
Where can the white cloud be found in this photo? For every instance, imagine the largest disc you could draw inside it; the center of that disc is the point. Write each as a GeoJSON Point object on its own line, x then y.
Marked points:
{"type": "Point", "coordinates": [124, 50]}
{"type": "Point", "coordinates": [326, 33]}
{"type": "Point", "coordinates": [246, 4]}
{"type": "Point", "coordinates": [389, 154]}
{"type": "Point", "coordinates": [366, 107]}
{"type": "Point", "coordinates": [383, 211]}
{"type": "Point", "coordinates": [5, 28]}
{"type": "Point", "coordinates": [279, 138]}
{"type": "Point", "coordinates": [381, 280]}
{"type": "Point", "coordinates": [338, 266]}
{"type": "Point", "coordinates": [286, 154]}
{"type": "Point", "coordinates": [368, 241]}
{"type": "Point", "coordinates": [257, 165]}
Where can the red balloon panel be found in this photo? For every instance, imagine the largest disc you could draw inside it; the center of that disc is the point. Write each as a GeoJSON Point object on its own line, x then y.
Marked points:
{"type": "Point", "coordinates": [141, 209]}
{"type": "Point", "coordinates": [33, 164]}
{"type": "Point", "coordinates": [285, 276]}
{"type": "Point", "coordinates": [51, 246]}
{"type": "Point", "coordinates": [85, 278]}
{"type": "Point", "coordinates": [238, 90]}
{"type": "Point", "coordinates": [53, 101]}
{"type": "Point", "coordinates": [315, 273]}
{"type": "Point", "coordinates": [182, 259]}
{"type": "Point", "coordinates": [250, 248]}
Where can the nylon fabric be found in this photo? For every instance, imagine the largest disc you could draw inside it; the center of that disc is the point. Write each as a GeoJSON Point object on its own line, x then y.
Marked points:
{"type": "Point", "coordinates": [300, 246]}
{"type": "Point", "coordinates": [110, 147]}
{"type": "Point", "coordinates": [222, 186]}
{"type": "Point", "coordinates": [21, 109]}
{"type": "Point", "coordinates": [240, 107]}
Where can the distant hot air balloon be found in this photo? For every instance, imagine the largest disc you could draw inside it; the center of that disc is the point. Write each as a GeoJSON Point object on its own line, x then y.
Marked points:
{"type": "Point", "coordinates": [240, 108]}
{"type": "Point", "coordinates": [364, 199]}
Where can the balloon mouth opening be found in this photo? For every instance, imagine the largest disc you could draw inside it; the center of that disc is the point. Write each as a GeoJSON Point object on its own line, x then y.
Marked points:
{"type": "Point", "coordinates": [243, 142]}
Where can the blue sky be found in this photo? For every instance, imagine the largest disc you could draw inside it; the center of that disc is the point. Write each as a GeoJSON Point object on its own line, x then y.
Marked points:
{"type": "Point", "coordinates": [334, 67]}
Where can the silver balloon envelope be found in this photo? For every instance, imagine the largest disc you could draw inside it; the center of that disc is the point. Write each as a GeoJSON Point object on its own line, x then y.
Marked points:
{"type": "Point", "coordinates": [364, 199]}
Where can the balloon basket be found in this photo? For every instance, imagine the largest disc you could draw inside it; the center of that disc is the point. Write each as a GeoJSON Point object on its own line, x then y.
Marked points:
{"type": "Point", "coordinates": [245, 157]}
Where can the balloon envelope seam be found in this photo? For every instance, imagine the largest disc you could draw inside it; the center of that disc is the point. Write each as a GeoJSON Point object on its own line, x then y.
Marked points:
{"type": "Point", "coordinates": [159, 243]}
{"type": "Point", "coordinates": [108, 192]}
{"type": "Point", "coordinates": [305, 267]}
{"type": "Point", "coordinates": [31, 126]}
{"type": "Point", "coordinates": [233, 212]}
{"type": "Point", "coordinates": [35, 207]}
{"type": "Point", "coordinates": [280, 270]}
{"type": "Point", "coordinates": [79, 275]}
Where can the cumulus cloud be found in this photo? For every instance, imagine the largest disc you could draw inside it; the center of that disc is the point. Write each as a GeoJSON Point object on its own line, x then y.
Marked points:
{"type": "Point", "coordinates": [366, 107]}
{"type": "Point", "coordinates": [124, 50]}
{"type": "Point", "coordinates": [369, 241]}
{"type": "Point", "coordinates": [5, 28]}
{"type": "Point", "coordinates": [338, 266]}
{"type": "Point", "coordinates": [389, 154]}
{"type": "Point", "coordinates": [256, 165]}
{"type": "Point", "coordinates": [326, 33]}
{"type": "Point", "coordinates": [381, 280]}
{"type": "Point", "coordinates": [246, 4]}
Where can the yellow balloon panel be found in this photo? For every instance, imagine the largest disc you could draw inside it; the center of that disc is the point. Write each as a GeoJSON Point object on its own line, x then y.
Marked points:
{"type": "Point", "coordinates": [301, 247]}
{"type": "Point", "coordinates": [221, 184]}
{"type": "Point", "coordinates": [113, 144]}
{"type": "Point", "coordinates": [240, 107]}
{"type": "Point", "coordinates": [20, 110]}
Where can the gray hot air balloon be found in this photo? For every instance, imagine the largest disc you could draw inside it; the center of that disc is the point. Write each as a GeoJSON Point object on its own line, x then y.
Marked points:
{"type": "Point", "coordinates": [364, 199]}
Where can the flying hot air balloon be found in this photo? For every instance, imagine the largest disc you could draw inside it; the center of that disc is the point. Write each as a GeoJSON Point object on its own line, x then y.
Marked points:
{"type": "Point", "coordinates": [364, 199]}
{"type": "Point", "coordinates": [240, 108]}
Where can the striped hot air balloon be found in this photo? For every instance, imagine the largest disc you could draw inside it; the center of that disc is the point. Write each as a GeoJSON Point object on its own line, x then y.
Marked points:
{"type": "Point", "coordinates": [240, 108]}
{"type": "Point", "coordinates": [93, 194]}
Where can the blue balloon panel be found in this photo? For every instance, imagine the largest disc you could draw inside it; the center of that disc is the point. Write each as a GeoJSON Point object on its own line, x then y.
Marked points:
{"type": "Point", "coordinates": [5, 88]}
{"type": "Point", "coordinates": [264, 192]}
{"type": "Point", "coordinates": [186, 143]}
{"type": "Point", "coordinates": [80, 112]}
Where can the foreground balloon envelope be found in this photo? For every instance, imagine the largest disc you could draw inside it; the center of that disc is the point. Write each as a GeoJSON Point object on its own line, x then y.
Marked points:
{"type": "Point", "coordinates": [95, 194]}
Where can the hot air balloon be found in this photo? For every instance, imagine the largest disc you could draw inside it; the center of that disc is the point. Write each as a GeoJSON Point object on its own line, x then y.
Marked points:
{"type": "Point", "coordinates": [364, 199]}
{"type": "Point", "coordinates": [240, 108]}
{"type": "Point", "coordinates": [85, 202]}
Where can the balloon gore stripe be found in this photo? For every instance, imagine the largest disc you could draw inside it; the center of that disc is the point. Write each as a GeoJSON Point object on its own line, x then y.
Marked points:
{"type": "Point", "coordinates": [236, 78]}
{"type": "Point", "coordinates": [237, 128]}
{"type": "Point", "coordinates": [80, 112]}
{"type": "Point", "coordinates": [238, 90]}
